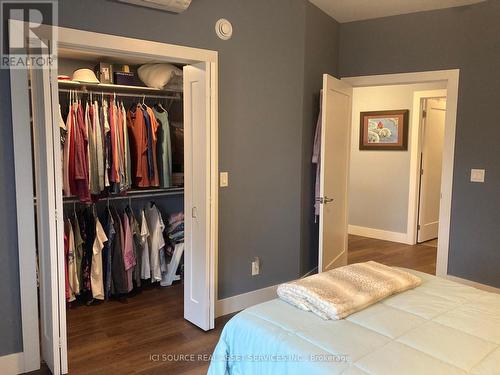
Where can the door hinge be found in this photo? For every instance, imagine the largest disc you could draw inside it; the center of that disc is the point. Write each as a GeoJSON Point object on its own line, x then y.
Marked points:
{"type": "Point", "coordinates": [60, 342]}
{"type": "Point", "coordinates": [421, 172]}
{"type": "Point", "coordinates": [418, 227]}
{"type": "Point", "coordinates": [424, 113]}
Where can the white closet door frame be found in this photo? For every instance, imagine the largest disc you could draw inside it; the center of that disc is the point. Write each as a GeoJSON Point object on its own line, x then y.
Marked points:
{"type": "Point", "coordinates": [196, 197]}
{"type": "Point", "coordinates": [26, 236]}
{"type": "Point", "coordinates": [113, 46]}
{"type": "Point", "coordinates": [49, 218]}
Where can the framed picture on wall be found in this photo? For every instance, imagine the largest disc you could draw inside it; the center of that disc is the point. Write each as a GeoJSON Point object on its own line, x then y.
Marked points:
{"type": "Point", "coordinates": [384, 130]}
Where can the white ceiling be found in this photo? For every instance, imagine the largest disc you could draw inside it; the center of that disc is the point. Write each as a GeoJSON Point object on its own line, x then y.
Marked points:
{"type": "Point", "coordinates": [355, 10]}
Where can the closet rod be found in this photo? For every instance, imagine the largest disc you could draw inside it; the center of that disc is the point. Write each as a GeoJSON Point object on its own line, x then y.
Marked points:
{"type": "Point", "coordinates": [124, 94]}
{"type": "Point", "coordinates": [131, 195]}
{"type": "Point", "coordinates": [142, 194]}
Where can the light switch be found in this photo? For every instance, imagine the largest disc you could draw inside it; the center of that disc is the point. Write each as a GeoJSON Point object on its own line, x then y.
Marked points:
{"type": "Point", "coordinates": [256, 266]}
{"type": "Point", "coordinates": [224, 179]}
{"type": "Point", "coordinates": [477, 175]}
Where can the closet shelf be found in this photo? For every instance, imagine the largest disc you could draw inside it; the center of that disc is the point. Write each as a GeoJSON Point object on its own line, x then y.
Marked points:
{"type": "Point", "coordinates": [118, 89]}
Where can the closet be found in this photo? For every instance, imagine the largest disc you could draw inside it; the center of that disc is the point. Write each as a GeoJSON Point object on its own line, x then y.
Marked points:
{"type": "Point", "coordinates": [121, 147]}
{"type": "Point", "coordinates": [124, 178]}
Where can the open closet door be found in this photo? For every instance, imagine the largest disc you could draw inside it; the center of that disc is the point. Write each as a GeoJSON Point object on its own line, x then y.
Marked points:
{"type": "Point", "coordinates": [334, 177]}
{"type": "Point", "coordinates": [197, 262]}
{"type": "Point", "coordinates": [433, 127]}
{"type": "Point", "coordinates": [49, 217]}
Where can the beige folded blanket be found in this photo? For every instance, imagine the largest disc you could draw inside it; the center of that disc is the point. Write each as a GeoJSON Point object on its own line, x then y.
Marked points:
{"type": "Point", "coordinates": [340, 292]}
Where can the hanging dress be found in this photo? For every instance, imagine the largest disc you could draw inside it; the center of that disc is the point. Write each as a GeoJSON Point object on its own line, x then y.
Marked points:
{"type": "Point", "coordinates": [138, 146]}
{"type": "Point", "coordinates": [164, 151]}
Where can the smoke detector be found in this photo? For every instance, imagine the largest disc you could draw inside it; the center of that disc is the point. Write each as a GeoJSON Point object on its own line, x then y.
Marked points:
{"type": "Point", "coordinates": [224, 29]}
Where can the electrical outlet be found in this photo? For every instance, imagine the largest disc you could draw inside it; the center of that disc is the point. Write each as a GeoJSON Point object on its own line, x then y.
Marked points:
{"type": "Point", "coordinates": [256, 266]}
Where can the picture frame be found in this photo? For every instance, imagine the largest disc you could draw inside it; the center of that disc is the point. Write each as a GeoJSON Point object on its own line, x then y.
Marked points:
{"type": "Point", "coordinates": [384, 130]}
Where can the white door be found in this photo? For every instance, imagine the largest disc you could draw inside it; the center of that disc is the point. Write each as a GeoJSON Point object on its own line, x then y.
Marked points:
{"type": "Point", "coordinates": [49, 218]}
{"type": "Point", "coordinates": [334, 177]}
{"type": "Point", "coordinates": [197, 268]}
{"type": "Point", "coordinates": [431, 167]}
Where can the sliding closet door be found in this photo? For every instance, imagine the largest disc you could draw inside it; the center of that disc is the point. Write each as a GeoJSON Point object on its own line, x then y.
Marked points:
{"type": "Point", "coordinates": [197, 195]}
{"type": "Point", "coordinates": [334, 178]}
{"type": "Point", "coordinates": [49, 217]}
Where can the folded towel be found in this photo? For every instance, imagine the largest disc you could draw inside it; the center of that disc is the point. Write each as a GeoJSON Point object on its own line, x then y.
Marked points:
{"type": "Point", "coordinates": [340, 292]}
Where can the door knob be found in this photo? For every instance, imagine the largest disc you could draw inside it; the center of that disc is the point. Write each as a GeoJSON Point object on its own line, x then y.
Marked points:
{"type": "Point", "coordinates": [324, 200]}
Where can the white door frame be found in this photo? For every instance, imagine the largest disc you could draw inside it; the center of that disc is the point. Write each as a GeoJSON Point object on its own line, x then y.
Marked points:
{"type": "Point", "coordinates": [107, 45]}
{"type": "Point", "coordinates": [451, 77]}
{"type": "Point", "coordinates": [416, 149]}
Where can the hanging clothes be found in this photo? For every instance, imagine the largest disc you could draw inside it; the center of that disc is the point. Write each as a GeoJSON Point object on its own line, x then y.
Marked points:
{"type": "Point", "coordinates": [92, 118]}
{"type": "Point", "coordinates": [74, 284]}
{"type": "Point", "coordinates": [88, 232]}
{"type": "Point", "coordinates": [156, 240]}
{"type": "Point", "coordinates": [316, 158]}
{"type": "Point", "coordinates": [81, 157]}
{"type": "Point", "coordinates": [115, 163]}
{"type": "Point", "coordinates": [96, 273]}
{"type": "Point", "coordinates": [127, 163]}
{"type": "Point", "coordinates": [149, 144]}
{"type": "Point", "coordinates": [63, 133]}
{"type": "Point", "coordinates": [100, 151]}
{"type": "Point", "coordinates": [144, 244]}
{"type": "Point", "coordinates": [107, 142]}
{"type": "Point", "coordinates": [128, 251]}
{"type": "Point", "coordinates": [70, 162]}
{"type": "Point", "coordinates": [106, 252]}
{"type": "Point", "coordinates": [119, 283]}
{"type": "Point", "coordinates": [164, 150]}
{"type": "Point", "coordinates": [155, 180]}
{"type": "Point", "coordinates": [78, 252]}
{"type": "Point", "coordinates": [121, 146]}
{"type": "Point", "coordinates": [66, 153]}
{"type": "Point", "coordinates": [139, 144]}
{"type": "Point", "coordinates": [66, 276]}
{"type": "Point", "coordinates": [136, 244]}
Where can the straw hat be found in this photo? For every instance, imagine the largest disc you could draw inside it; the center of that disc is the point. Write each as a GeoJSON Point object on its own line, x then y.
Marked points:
{"type": "Point", "coordinates": [85, 75]}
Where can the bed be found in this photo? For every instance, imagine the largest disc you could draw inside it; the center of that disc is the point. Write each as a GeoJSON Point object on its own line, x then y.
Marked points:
{"type": "Point", "coordinates": [440, 327]}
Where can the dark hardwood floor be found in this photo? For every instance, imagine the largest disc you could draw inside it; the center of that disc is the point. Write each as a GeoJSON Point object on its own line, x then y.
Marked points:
{"type": "Point", "coordinates": [121, 338]}
{"type": "Point", "coordinates": [420, 257]}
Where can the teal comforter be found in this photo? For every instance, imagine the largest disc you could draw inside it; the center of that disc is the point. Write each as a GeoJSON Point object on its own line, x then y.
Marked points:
{"type": "Point", "coordinates": [440, 327]}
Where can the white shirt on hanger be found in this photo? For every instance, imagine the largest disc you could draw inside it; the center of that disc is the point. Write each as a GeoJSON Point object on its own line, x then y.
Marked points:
{"type": "Point", "coordinates": [96, 274]}
{"type": "Point", "coordinates": [156, 240]}
{"type": "Point", "coordinates": [145, 266]}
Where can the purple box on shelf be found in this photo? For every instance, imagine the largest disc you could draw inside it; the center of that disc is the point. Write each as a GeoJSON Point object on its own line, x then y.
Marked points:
{"type": "Point", "coordinates": [125, 78]}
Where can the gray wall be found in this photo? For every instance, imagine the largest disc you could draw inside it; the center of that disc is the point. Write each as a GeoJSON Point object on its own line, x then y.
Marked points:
{"type": "Point", "coordinates": [465, 38]}
{"type": "Point", "coordinates": [321, 45]}
{"type": "Point", "coordinates": [10, 307]}
{"type": "Point", "coordinates": [266, 105]}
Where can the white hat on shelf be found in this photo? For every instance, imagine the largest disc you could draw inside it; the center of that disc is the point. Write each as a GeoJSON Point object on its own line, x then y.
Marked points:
{"type": "Point", "coordinates": [85, 75]}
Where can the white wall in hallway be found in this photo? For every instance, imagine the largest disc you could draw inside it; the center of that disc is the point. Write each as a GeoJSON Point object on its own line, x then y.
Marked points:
{"type": "Point", "coordinates": [379, 180]}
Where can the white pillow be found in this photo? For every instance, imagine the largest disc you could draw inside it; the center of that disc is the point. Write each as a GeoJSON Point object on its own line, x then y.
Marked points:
{"type": "Point", "coordinates": [159, 75]}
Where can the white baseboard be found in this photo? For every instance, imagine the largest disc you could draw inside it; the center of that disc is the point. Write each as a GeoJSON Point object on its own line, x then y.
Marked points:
{"type": "Point", "coordinates": [12, 364]}
{"type": "Point", "coordinates": [378, 234]}
{"type": "Point", "coordinates": [475, 284]}
{"type": "Point", "coordinates": [242, 301]}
